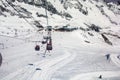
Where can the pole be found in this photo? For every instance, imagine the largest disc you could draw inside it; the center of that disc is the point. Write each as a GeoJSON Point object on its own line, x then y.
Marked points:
{"type": "Point", "coordinates": [46, 12]}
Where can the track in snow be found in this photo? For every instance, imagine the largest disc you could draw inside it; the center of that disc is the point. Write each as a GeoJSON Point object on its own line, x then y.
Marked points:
{"type": "Point", "coordinates": [95, 75]}
{"type": "Point", "coordinates": [106, 74]}
{"type": "Point", "coordinates": [48, 67]}
{"type": "Point", "coordinates": [115, 59]}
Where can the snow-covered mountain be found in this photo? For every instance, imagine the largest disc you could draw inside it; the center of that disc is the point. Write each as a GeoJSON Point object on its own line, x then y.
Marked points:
{"type": "Point", "coordinates": [85, 40]}
{"type": "Point", "coordinates": [86, 15]}
{"type": "Point", "coordinates": [115, 1]}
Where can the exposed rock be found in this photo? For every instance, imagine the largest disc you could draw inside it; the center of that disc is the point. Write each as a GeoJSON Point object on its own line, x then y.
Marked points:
{"type": "Point", "coordinates": [0, 59]}
{"type": "Point", "coordinates": [106, 39]}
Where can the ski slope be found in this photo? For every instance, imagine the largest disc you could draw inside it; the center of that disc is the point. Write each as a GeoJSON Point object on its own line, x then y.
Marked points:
{"type": "Point", "coordinates": [67, 58]}
{"type": "Point", "coordinates": [95, 75]}
{"type": "Point", "coordinates": [77, 55]}
{"type": "Point", "coordinates": [106, 74]}
{"type": "Point", "coordinates": [116, 60]}
{"type": "Point", "coordinates": [47, 67]}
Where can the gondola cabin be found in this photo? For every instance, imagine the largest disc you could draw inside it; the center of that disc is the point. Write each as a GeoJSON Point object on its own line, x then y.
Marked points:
{"type": "Point", "coordinates": [37, 48]}
{"type": "Point", "coordinates": [49, 47]}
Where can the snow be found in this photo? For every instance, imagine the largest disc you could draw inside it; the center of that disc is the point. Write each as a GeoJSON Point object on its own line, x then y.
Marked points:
{"type": "Point", "coordinates": [105, 74]}
{"type": "Point", "coordinates": [47, 68]}
{"type": "Point", "coordinates": [66, 51]}
{"type": "Point", "coordinates": [95, 75]}
{"type": "Point", "coordinates": [75, 56]}
{"type": "Point", "coordinates": [115, 59]}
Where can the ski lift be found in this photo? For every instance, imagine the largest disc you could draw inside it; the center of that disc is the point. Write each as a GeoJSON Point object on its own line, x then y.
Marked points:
{"type": "Point", "coordinates": [49, 45]}
{"type": "Point", "coordinates": [37, 47]}
{"type": "Point", "coordinates": [0, 59]}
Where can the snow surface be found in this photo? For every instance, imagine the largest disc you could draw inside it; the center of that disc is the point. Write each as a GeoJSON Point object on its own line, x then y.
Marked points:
{"type": "Point", "coordinates": [72, 58]}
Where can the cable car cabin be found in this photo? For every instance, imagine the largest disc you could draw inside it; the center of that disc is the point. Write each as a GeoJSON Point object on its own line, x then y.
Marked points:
{"type": "Point", "coordinates": [49, 47]}
{"type": "Point", "coordinates": [37, 47]}
{"type": "Point", "coordinates": [49, 28]}
{"type": "Point", "coordinates": [0, 59]}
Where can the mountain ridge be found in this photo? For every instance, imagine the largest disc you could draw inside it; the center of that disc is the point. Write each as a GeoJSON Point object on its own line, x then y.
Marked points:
{"type": "Point", "coordinates": [86, 15]}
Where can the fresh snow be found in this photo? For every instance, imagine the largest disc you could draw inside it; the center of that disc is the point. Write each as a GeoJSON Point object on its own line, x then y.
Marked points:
{"type": "Point", "coordinates": [75, 56]}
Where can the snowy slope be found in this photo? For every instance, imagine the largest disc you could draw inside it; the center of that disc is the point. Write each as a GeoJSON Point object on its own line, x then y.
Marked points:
{"type": "Point", "coordinates": [83, 15]}
{"type": "Point", "coordinates": [75, 54]}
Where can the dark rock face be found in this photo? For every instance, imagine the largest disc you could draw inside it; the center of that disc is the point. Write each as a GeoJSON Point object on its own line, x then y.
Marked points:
{"type": "Point", "coordinates": [0, 59]}
{"type": "Point", "coordinates": [2, 8]}
{"type": "Point", "coordinates": [106, 39]}
{"type": "Point", "coordinates": [65, 29]}
{"type": "Point", "coordinates": [41, 3]}
{"type": "Point", "coordinates": [112, 0]}
{"type": "Point", "coordinates": [93, 27]}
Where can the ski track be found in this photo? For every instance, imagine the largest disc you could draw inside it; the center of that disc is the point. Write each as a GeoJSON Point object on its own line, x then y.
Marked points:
{"type": "Point", "coordinates": [115, 59]}
{"type": "Point", "coordinates": [47, 73]}
{"type": "Point", "coordinates": [47, 66]}
{"type": "Point", "coordinates": [94, 75]}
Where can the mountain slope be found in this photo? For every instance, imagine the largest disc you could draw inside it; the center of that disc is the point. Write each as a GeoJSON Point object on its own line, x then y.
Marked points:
{"type": "Point", "coordinates": [84, 32]}
{"type": "Point", "coordinates": [86, 15]}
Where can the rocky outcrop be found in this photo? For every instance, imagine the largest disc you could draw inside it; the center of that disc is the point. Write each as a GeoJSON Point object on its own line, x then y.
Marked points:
{"type": "Point", "coordinates": [106, 39]}
{"type": "Point", "coordinates": [0, 59]}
